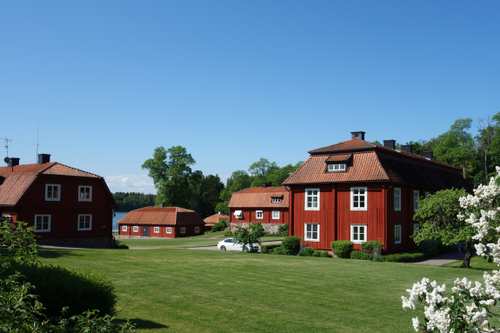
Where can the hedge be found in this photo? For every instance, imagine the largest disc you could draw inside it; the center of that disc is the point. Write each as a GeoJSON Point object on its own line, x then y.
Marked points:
{"type": "Point", "coordinates": [291, 245]}
{"type": "Point", "coordinates": [360, 255]}
{"type": "Point", "coordinates": [268, 248]}
{"type": "Point", "coordinates": [342, 248]}
{"type": "Point", "coordinates": [405, 257]}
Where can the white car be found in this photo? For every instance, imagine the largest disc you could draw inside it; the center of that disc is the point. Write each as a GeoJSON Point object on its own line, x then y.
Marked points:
{"type": "Point", "coordinates": [230, 244]}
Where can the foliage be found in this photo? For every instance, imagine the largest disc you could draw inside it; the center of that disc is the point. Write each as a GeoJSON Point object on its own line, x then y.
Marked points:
{"type": "Point", "coordinates": [249, 235]}
{"type": "Point", "coordinates": [430, 247]}
{"type": "Point", "coordinates": [373, 248]}
{"type": "Point", "coordinates": [269, 248]}
{"type": "Point", "coordinates": [280, 250]}
{"type": "Point", "coordinates": [228, 233]}
{"type": "Point", "coordinates": [220, 226]}
{"type": "Point", "coordinates": [306, 252]}
{"type": "Point", "coordinates": [437, 216]}
{"type": "Point", "coordinates": [405, 257]}
{"type": "Point", "coordinates": [283, 230]}
{"type": "Point", "coordinates": [468, 306]}
{"type": "Point", "coordinates": [17, 242]}
{"type": "Point", "coordinates": [119, 245]}
{"type": "Point", "coordinates": [360, 255]}
{"type": "Point", "coordinates": [342, 248]}
{"type": "Point", "coordinates": [127, 201]}
{"type": "Point", "coordinates": [291, 245]}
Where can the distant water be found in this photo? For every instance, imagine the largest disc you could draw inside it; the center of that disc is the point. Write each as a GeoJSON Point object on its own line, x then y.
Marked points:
{"type": "Point", "coordinates": [118, 216]}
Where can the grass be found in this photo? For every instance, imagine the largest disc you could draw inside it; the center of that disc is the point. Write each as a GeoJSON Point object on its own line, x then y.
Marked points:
{"type": "Point", "coordinates": [179, 290]}
{"type": "Point", "coordinates": [478, 263]}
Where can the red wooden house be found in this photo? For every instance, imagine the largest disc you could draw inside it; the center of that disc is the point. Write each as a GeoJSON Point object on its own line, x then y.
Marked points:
{"type": "Point", "coordinates": [212, 220]}
{"type": "Point", "coordinates": [165, 222]}
{"type": "Point", "coordinates": [266, 205]}
{"type": "Point", "coordinates": [359, 191]}
{"type": "Point", "coordinates": [65, 205]}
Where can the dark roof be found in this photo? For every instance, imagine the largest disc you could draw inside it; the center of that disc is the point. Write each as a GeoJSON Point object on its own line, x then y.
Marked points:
{"type": "Point", "coordinates": [259, 197]}
{"type": "Point", "coordinates": [162, 216]}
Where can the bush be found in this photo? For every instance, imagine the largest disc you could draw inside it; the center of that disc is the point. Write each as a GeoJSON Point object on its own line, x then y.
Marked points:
{"type": "Point", "coordinates": [283, 230]}
{"type": "Point", "coordinates": [405, 257]}
{"type": "Point", "coordinates": [324, 254]}
{"type": "Point", "coordinates": [268, 248]}
{"type": "Point", "coordinates": [316, 254]}
{"type": "Point", "coordinates": [279, 250]}
{"type": "Point", "coordinates": [291, 245]}
{"type": "Point", "coordinates": [57, 287]}
{"type": "Point", "coordinates": [220, 226]}
{"type": "Point", "coordinates": [342, 248]}
{"type": "Point", "coordinates": [228, 233]}
{"type": "Point", "coordinates": [306, 252]}
{"type": "Point", "coordinates": [430, 248]}
{"type": "Point", "coordinates": [119, 245]}
{"type": "Point", "coordinates": [360, 255]}
{"type": "Point", "coordinates": [373, 248]}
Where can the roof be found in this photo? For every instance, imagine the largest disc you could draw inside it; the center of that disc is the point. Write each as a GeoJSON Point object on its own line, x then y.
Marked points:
{"type": "Point", "coordinates": [18, 179]}
{"type": "Point", "coordinates": [375, 163]}
{"type": "Point", "coordinates": [162, 216]}
{"type": "Point", "coordinates": [259, 197]}
{"type": "Point", "coordinates": [216, 218]}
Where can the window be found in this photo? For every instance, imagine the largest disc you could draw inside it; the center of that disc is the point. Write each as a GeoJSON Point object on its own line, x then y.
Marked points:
{"type": "Point", "coordinates": [43, 223]}
{"type": "Point", "coordinates": [196, 230]}
{"type": "Point", "coordinates": [416, 228]}
{"type": "Point", "coordinates": [238, 214]}
{"type": "Point", "coordinates": [168, 230]}
{"type": "Point", "coordinates": [396, 198]}
{"type": "Point", "coordinates": [84, 222]}
{"type": "Point", "coordinates": [359, 198]}
{"type": "Point", "coordinates": [52, 192]}
{"type": "Point", "coordinates": [312, 199]}
{"type": "Point", "coordinates": [397, 234]}
{"type": "Point", "coordinates": [156, 230]}
{"type": "Point", "coordinates": [275, 214]}
{"type": "Point", "coordinates": [8, 217]}
{"type": "Point", "coordinates": [416, 199]}
{"type": "Point", "coordinates": [358, 233]}
{"type": "Point", "coordinates": [336, 167]}
{"type": "Point", "coordinates": [84, 193]}
{"type": "Point", "coordinates": [311, 232]}
{"type": "Point", "coordinates": [124, 228]}
{"type": "Point", "coordinates": [277, 200]}
{"type": "Point", "coordinates": [135, 228]}
{"type": "Point", "coordinates": [259, 215]}
{"type": "Point", "coordinates": [182, 230]}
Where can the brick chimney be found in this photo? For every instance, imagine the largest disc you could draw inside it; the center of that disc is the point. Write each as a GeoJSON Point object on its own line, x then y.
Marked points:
{"type": "Point", "coordinates": [12, 161]}
{"type": "Point", "coordinates": [391, 144]}
{"type": "Point", "coordinates": [358, 135]}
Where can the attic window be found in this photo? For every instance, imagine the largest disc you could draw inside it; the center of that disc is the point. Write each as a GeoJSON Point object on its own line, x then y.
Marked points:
{"type": "Point", "coordinates": [277, 199]}
{"type": "Point", "coordinates": [336, 167]}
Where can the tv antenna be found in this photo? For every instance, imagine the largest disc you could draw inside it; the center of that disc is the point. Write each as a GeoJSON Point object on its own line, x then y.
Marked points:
{"type": "Point", "coordinates": [6, 142]}
{"type": "Point", "coordinates": [37, 144]}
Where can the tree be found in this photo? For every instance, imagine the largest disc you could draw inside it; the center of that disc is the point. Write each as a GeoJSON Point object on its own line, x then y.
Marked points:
{"type": "Point", "coordinates": [437, 216]}
{"type": "Point", "coordinates": [488, 146]}
{"type": "Point", "coordinates": [204, 192]}
{"type": "Point", "coordinates": [249, 235]}
{"type": "Point", "coordinates": [126, 201]}
{"type": "Point", "coordinates": [237, 181]}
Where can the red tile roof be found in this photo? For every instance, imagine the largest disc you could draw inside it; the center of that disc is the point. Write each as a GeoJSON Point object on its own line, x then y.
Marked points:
{"type": "Point", "coordinates": [339, 158]}
{"type": "Point", "coordinates": [215, 218]}
{"type": "Point", "coordinates": [17, 180]}
{"type": "Point", "coordinates": [345, 146]}
{"type": "Point", "coordinates": [162, 216]}
{"type": "Point", "coordinates": [259, 197]}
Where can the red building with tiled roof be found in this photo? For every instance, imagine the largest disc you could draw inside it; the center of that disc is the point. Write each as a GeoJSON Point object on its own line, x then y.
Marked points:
{"type": "Point", "coordinates": [266, 205]}
{"type": "Point", "coordinates": [212, 220]}
{"type": "Point", "coordinates": [65, 205]}
{"type": "Point", "coordinates": [359, 191]}
{"type": "Point", "coordinates": [165, 222]}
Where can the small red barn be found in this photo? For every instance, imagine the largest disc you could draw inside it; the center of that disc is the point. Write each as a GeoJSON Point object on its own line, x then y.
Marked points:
{"type": "Point", "coordinates": [164, 222]}
{"type": "Point", "coordinates": [212, 220]}
{"type": "Point", "coordinates": [265, 205]}
{"type": "Point", "coordinates": [65, 205]}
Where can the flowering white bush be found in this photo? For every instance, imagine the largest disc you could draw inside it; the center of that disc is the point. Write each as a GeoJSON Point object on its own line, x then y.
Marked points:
{"type": "Point", "coordinates": [468, 305]}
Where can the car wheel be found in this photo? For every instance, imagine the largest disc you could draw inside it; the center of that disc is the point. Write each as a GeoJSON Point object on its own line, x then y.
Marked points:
{"type": "Point", "coordinates": [223, 248]}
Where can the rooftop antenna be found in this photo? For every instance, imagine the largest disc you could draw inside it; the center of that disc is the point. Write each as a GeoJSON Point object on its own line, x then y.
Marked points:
{"type": "Point", "coordinates": [37, 144]}
{"type": "Point", "coordinates": [6, 142]}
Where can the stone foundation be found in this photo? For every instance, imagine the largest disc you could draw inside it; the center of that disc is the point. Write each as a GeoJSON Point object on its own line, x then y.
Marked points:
{"type": "Point", "coordinates": [269, 228]}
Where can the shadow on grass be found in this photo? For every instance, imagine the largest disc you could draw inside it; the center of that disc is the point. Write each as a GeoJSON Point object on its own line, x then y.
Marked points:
{"type": "Point", "coordinates": [142, 324]}
{"type": "Point", "coordinates": [55, 253]}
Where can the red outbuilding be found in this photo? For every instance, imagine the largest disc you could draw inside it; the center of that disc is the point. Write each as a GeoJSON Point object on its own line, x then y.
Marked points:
{"type": "Point", "coordinates": [265, 205]}
{"type": "Point", "coordinates": [212, 220]}
{"type": "Point", "coordinates": [359, 191]}
{"type": "Point", "coordinates": [165, 222]}
{"type": "Point", "coordinates": [65, 205]}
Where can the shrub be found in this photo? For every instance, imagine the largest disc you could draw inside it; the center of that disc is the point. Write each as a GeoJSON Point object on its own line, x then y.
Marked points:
{"type": "Point", "coordinates": [316, 254]}
{"type": "Point", "coordinates": [279, 250]}
{"type": "Point", "coordinates": [405, 257]}
{"type": "Point", "coordinates": [268, 248]}
{"type": "Point", "coordinates": [324, 254]}
{"type": "Point", "coordinates": [228, 233]}
{"type": "Point", "coordinates": [430, 247]}
{"type": "Point", "coordinates": [342, 248]}
{"type": "Point", "coordinates": [220, 226]}
{"type": "Point", "coordinates": [57, 288]}
{"type": "Point", "coordinates": [373, 248]}
{"type": "Point", "coordinates": [119, 245]}
{"type": "Point", "coordinates": [291, 245]}
{"type": "Point", "coordinates": [360, 255]}
{"type": "Point", "coordinates": [283, 230]}
{"type": "Point", "coordinates": [306, 252]}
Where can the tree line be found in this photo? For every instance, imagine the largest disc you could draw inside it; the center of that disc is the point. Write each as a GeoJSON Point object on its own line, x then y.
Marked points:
{"type": "Point", "coordinates": [127, 201]}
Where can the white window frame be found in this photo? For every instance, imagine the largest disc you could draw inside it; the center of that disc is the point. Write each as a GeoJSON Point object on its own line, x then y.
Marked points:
{"type": "Point", "coordinates": [365, 233]}
{"type": "Point", "coordinates": [275, 215]}
{"type": "Point", "coordinates": [317, 195]}
{"type": "Point", "coordinates": [58, 198]}
{"type": "Point", "coordinates": [276, 200]}
{"type": "Point", "coordinates": [365, 195]}
{"type": "Point", "coordinates": [396, 199]}
{"type": "Point", "coordinates": [124, 228]}
{"type": "Point", "coordinates": [398, 232]}
{"type": "Point", "coordinates": [197, 229]}
{"type": "Point", "coordinates": [182, 230]}
{"type": "Point", "coordinates": [416, 199]}
{"type": "Point", "coordinates": [156, 230]}
{"type": "Point", "coordinates": [336, 167]}
{"type": "Point", "coordinates": [135, 228]}
{"type": "Point", "coordinates": [259, 214]}
{"type": "Point", "coordinates": [90, 222]}
{"type": "Point", "coordinates": [80, 188]}
{"type": "Point", "coordinates": [310, 239]}
{"type": "Point", "coordinates": [169, 230]}
{"type": "Point", "coordinates": [49, 223]}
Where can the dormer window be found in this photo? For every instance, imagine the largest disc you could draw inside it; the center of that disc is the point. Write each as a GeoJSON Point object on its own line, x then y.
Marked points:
{"type": "Point", "coordinates": [337, 167]}
{"type": "Point", "coordinates": [277, 199]}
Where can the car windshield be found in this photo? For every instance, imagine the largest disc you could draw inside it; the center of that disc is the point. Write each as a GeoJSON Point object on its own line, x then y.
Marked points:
{"type": "Point", "coordinates": [229, 240]}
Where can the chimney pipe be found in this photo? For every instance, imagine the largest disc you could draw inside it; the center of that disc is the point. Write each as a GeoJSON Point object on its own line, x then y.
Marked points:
{"type": "Point", "coordinates": [12, 161]}
{"type": "Point", "coordinates": [358, 135]}
{"type": "Point", "coordinates": [43, 158]}
{"type": "Point", "coordinates": [391, 144]}
{"type": "Point", "coordinates": [406, 148]}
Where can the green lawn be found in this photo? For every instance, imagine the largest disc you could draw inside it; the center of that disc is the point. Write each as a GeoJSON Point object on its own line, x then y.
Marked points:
{"type": "Point", "coordinates": [179, 290]}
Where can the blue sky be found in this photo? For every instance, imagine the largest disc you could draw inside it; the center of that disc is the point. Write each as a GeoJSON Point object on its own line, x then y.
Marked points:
{"type": "Point", "coordinates": [108, 81]}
